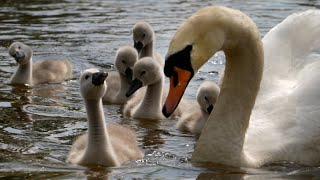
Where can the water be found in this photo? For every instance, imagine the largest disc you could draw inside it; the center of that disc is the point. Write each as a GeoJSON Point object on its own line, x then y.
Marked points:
{"type": "Point", "coordinates": [38, 125]}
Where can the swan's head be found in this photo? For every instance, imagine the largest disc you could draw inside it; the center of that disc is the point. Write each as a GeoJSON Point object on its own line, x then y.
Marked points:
{"type": "Point", "coordinates": [143, 34]}
{"type": "Point", "coordinates": [20, 52]}
{"type": "Point", "coordinates": [92, 84]}
{"type": "Point", "coordinates": [126, 57]}
{"type": "Point", "coordinates": [207, 95]}
{"type": "Point", "coordinates": [193, 45]}
{"type": "Point", "coordinates": [146, 71]}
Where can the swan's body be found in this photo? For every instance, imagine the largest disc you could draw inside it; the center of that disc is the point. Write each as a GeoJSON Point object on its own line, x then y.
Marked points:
{"type": "Point", "coordinates": [195, 116]}
{"type": "Point", "coordinates": [143, 38]}
{"type": "Point", "coordinates": [285, 121]}
{"type": "Point", "coordinates": [118, 82]}
{"type": "Point", "coordinates": [46, 71]}
{"type": "Point", "coordinates": [103, 145]}
{"type": "Point", "coordinates": [147, 72]}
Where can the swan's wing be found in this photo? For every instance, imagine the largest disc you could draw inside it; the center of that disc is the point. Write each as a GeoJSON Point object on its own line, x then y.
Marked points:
{"type": "Point", "coordinates": [124, 142]}
{"type": "Point", "coordinates": [287, 110]}
{"type": "Point", "coordinates": [288, 48]}
{"type": "Point", "coordinates": [291, 76]}
{"type": "Point", "coordinates": [50, 70]}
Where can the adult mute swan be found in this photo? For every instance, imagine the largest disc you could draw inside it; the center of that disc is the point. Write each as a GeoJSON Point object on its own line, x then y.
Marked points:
{"type": "Point", "coordinates": [118, 82]}
{"type": "Point", "coordinates": [45, 71]}
{"type": "Point", "coordinates": [143, 38]}
{"type": "Point", "coordinates": [195, 116]}
{"type": "Point", "coordinates": [103, 145]}
{"type": "Point", "coordinates": [284, 123]}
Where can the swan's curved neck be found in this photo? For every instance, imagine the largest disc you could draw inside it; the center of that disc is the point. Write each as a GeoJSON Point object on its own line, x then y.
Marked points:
{"type": "Point", "coordinates": [97, 131]}
{"type": "Point", "coordinates": [124, 86]}
{"type": "Point", "coordinates": [224, 134]}
{"type": "Point", "coordinates": [151, 104]}
{"type": "Point", "coordinates": [147, 51]}
{"type": "Point", "coordinates": [23, 74]}
{"type": "Point", "coordinates": [99, 144]}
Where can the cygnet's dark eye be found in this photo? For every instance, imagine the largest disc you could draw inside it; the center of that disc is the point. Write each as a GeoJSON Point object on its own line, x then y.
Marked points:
{"type": "Point", "coordinates": [206, 98]}
{"type": "Point", "coordinates": [87, 76]}
{"type": "Point", "coordinates": [123, 61]}
{"type": "Point", "coordinates": [19, 47]}
{"type": "Point", "coordinates": [142, 73]}
{"type": "Point", "coordinates": [143, 35]}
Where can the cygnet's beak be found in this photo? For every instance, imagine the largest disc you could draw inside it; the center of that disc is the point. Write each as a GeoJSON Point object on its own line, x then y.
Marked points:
{"type": "Point", "coordinates": [129, 73]}
{"type": "Point", "coordinates": [18, 56]}
{"type": "Point", "coordinates": [138, 45]}
{"type": "Point", "coordinates": [210, 108]}
{"type": "Point", "coordinates": [134, 86]}
{"type": "Point", "coordinates": [98, 78]}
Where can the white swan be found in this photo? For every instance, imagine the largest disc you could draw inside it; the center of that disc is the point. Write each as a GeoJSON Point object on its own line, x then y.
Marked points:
{"type": "Point", "coordinates": [55, 71]}
{"type": "Point", "coordinates": [147, 72]}
{"type": "Point", "coordinates": [103, 145]}
{"type": "Point", "coordinates": [143, 38]}
{"type": "Point", "coordinates": [285, 121]}
{"type": "Point", "coordinates": [195, 116]}
{"type": "Point", "coordinates": [118, 82]}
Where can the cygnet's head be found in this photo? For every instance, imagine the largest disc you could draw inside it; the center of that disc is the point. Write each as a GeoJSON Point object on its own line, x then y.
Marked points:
{"type": "Point", "coordinates": [207, 95]}
{"type": "Point", "coordinates": [92, 84]}
{"type": "Point", "coordinates": [126, 57]}
{"type": "Point", "coordinates": [20, 52]}
{"type": "Point", "coordinates": [146, 72]}
{"type": "Point", "coordinates": [143, 34]}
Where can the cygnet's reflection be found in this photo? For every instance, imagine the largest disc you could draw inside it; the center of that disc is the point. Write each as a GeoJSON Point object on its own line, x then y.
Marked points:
{"type": "Point", "coordinates": [23, 97]}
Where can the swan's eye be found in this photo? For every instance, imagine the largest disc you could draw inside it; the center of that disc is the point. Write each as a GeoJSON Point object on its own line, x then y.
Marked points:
{"type": "Point", "coordinates": [206, 98]}
{"type": "Point", "coordinates": [142, 73]}
{"type": "Point", "coordinates": [87, 76]}
{"type": "Point", "coordinates": [123, 61]}
{"type": "Point", "coordinates": [143, 35]}
{"type": "Point", "coordinates": [19, 47]}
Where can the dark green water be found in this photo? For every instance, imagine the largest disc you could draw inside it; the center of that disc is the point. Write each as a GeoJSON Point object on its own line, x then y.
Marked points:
{"type": "Point", "coordinates": [38, 125]}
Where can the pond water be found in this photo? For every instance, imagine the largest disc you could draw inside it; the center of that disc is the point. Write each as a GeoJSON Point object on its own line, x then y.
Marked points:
{"type": "Point", "coordinates": [39, 124]}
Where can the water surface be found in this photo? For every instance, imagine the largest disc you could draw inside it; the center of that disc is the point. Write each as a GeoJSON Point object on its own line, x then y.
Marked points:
{"type": "Point", "coordinates": [39, 124]}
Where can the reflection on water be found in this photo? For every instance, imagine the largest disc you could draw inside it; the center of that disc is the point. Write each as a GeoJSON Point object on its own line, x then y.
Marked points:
{"type": "Point", "coordinates": [39, 124]}
{"type": "Point", "coordinates": [23, 98]}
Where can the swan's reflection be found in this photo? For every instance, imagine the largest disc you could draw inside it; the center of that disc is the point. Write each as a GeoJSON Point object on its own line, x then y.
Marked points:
{"type": "Point", "coordinates": [152, 137]}
{"type": "Point", "coordinates": [98, 173]}
{"type": "Point", "coordinates": [23, 94]}
{"type": "Point", "coordinates": [49, 94]}
{"type": "Point", "coordinates": [149, 130]}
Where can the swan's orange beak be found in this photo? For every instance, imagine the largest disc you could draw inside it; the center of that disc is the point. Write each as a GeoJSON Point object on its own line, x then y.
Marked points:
{"type": "Point", "coordinates": [178, 84]}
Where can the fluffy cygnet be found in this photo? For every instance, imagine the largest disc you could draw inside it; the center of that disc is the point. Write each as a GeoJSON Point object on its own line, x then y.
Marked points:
{"type": "Point", "coordinates": [102, 145]}
{"type": "Point", "coordinates": [143, 38]}
{"type": "Point", "coordinates": [194, 119]}
{"type": "Point", "coordinates": [118, 82]}
{"type": "Point", "coordinates": [55, 71]}
{"type": "Point", "coordinates": [149, 73]}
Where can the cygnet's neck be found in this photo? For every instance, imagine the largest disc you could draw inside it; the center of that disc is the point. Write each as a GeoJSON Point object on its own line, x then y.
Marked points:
{"type": "Point", "coordinates": [99, 145]}
{"type": "Point", "coordinates": [124, 86]}
{"type": "Point", "coordinates": [147, 50]}
{"type": "Point", "coordinates": [23, 74]}
{"type": "Point", "coordinates": [151, 104]}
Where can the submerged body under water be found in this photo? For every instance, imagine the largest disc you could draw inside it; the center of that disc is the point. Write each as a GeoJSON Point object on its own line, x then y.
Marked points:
{"type": "Point", "coordinates": [39, 124]}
